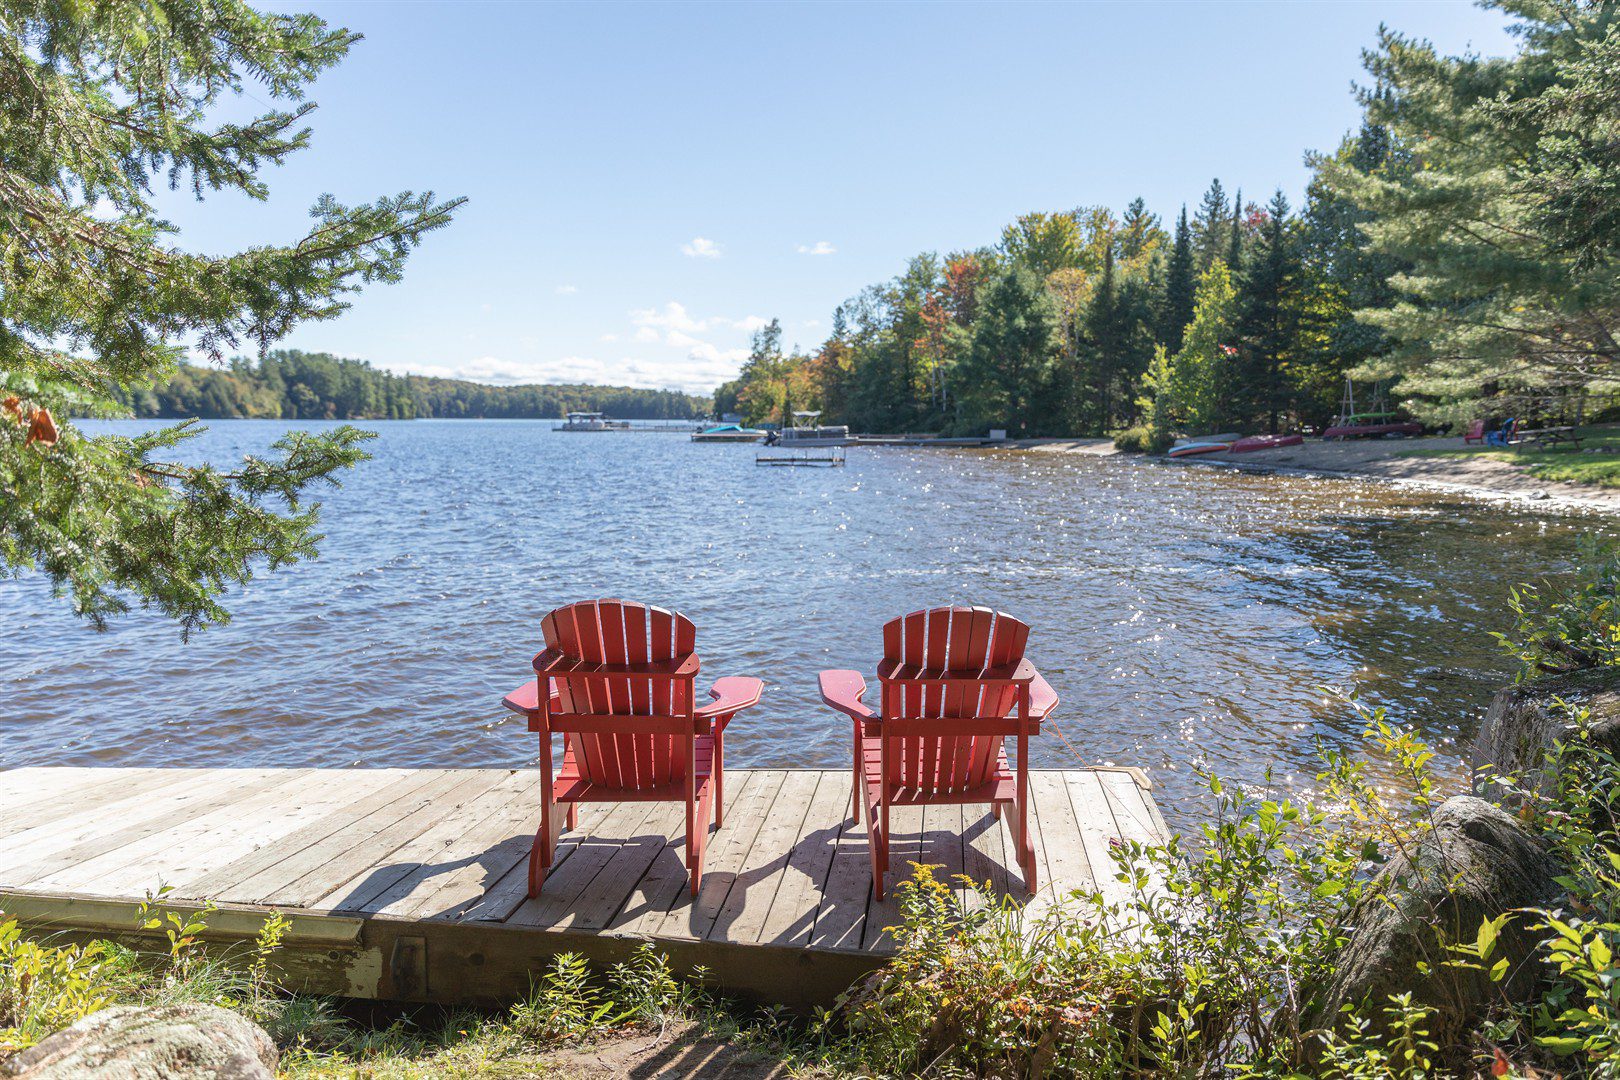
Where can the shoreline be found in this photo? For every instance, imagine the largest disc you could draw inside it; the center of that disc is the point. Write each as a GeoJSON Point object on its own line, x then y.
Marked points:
{"type": "Point", "coordinates": [1385, 460]}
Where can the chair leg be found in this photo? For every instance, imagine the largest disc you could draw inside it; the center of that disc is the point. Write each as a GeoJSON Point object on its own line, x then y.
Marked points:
{"type": "Point", "coordinates": [694, 847]}
{"type": "Point", "coordinates": [860, 796]}
{"type": "Point", "coordinates": [719, 778]}
{"type": "Point", "coordinates": [573, 816]}
{"type": "Point", "coordinates": [874, 840]}
{"type": "Point", "coordinates": [995, 811]}
{"type": "Point", "coordinates": [540, 855]}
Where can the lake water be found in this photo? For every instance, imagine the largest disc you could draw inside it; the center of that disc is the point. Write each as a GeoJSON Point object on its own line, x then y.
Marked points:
{"type": "Point", "coordinates": [1184, 615]}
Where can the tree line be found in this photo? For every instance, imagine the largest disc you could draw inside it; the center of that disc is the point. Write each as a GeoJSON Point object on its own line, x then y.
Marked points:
{"type": "Point", "coordinates": [294, 385]}
{"type": "Point", "coordinates": [1459, 247]}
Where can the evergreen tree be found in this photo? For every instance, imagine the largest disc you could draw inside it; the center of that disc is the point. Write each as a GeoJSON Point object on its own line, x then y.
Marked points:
{"type": "Point", "coordinates": [1179, 286]}
{"type": "Point", "coordinates": [96, 101]}
{"type": "Point", "coordinates": [1234, 246]}
{"type": "Point", "coordinates": [1266, 321]}
{"type": "Point", "coordinates": [1498, 298]}
{"type": "Point", "coordinates": [1345, 276]}
{"type": "Point", "coordinates": [1139, 232]}
{"type": "Point", "coordinates": [1211, 225]}
{"type": "Point", "coordinates": [1009, 360]}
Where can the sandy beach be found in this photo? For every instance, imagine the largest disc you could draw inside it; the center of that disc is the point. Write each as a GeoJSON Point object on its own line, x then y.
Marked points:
{"type": "Point", "coordinates": [1387, 459]}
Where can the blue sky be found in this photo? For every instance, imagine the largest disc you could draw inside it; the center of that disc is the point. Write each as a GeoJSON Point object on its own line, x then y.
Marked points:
{"type": "Point", "coordinates": [649, 183]}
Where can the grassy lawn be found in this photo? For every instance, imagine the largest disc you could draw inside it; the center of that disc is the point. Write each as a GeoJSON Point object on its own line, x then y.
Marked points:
{"type": "Point", "coordinates": [1564, 464]}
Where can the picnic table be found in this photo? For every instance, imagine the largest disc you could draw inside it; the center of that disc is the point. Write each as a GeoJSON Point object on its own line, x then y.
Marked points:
{"type": "Point", "coordinates": [1551, 436]}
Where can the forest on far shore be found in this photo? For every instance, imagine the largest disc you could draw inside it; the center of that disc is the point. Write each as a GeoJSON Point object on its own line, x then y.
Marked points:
{"type": "Point", "coordinates": [289, 384]}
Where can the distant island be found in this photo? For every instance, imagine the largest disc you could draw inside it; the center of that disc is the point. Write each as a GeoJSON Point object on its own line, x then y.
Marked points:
{"type": "Point", "coordinates": [290, 384]}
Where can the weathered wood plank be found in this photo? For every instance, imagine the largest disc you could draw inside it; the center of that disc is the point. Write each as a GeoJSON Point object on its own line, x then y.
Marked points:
{"type": "Point", "coordinates": [691, 918]}
{"type": "Point", "coordinates": [601, 901]}
{"type": "Point", "coordinates": [148, 851]}
{"type": "Point", "coordinates": [350, 825]}
{"type": "Point", "coordinates": [512, 888]}
{"type": "Point", "coordinates": [591, 853]}
{"type": "Point", "coordinates": [353, 796]}
{"type": "Point", "coordinates": [87, 806]}
{"type": "Point", "coordinates": [375, 849]}
{"type": "Point", "coordinates": [749, 898]}
{"type": "Point", "coordinates": [905, 847]}
{"type": "Point", "coordinates": [72, 839]}
{"type": "Point", "coordinates": [666, 880]}
{"type": "Point", "coordinates": [791, 917]}
{"type": "Point", "coordinates": [447, 844]}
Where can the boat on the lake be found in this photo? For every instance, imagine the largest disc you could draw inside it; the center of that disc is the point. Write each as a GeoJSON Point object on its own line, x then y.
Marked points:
{"type": "Point", "coordinates": [729, 433]}
{"type": "Point", "coordinates": [806, 432]}
{"type": "Point", "coordinates": [1265, 442]}
{"type": "Point", "coordinates": [591, 421]}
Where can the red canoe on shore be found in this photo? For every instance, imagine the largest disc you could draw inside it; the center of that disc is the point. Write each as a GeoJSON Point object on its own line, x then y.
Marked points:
{"type": "Point", "coordinates": [1265, 442]}
{"type": "Point", "coordinates": [1362, 431]}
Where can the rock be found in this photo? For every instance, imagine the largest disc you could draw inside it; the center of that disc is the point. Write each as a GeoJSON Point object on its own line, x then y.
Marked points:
{"type": "Point", "coordinates": [1478, 863]}
{"type": "Point", "coordinates": [174, 1042]}
{"type": "Point", "coordinates": [1524, 722]}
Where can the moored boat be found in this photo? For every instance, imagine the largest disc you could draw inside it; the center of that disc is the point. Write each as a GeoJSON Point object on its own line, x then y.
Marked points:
{"type": "Point", "coordinates": [728, 433]}
{"type": "Point", "coordinates": [591, 421]}
{"type": "Point", "coordinates": [806, 432]}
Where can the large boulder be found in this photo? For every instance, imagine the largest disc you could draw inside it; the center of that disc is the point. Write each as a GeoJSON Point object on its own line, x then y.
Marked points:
{"type": "Point", "coordinates": [1524, 722]}
{"type": "Point", "coordinates": [1477, 863]}
{"type": "Point", "coordinates": [174, 1042]}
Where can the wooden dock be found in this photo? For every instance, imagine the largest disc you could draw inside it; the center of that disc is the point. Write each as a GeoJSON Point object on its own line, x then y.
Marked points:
{"type": "Point", "coordinates": [410, 884]}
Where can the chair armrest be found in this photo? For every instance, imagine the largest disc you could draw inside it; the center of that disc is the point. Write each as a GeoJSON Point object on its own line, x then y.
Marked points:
{"type": "Point", "coordinates": [731, 694]}
{"type": "Point", "coordinates": [525, 699]}
{"type": "Point", "coordinates": [843, 690]}
{"type": "Point", "coordinates": [1042, 698]}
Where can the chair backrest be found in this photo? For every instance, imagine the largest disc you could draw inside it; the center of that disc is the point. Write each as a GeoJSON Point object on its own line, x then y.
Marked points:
{"type": "Point", "coordinates": [1476, 428]}
{"type": "Point", "coordinates": [618, 633]}
{"type": "Point", "coordinates": [964, 643]}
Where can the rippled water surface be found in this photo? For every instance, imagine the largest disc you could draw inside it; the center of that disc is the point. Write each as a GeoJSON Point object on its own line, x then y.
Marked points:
{"type": "Point", "coordinates": [1183, 614]}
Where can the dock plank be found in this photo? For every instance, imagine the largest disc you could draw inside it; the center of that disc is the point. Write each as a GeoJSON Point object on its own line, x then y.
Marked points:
{"type": "Point", "coordinates": [691, 917]}
{"type": "Point", "coordinates": [791, 917]}
{"type": "Point", "coordinates": [149, 851]}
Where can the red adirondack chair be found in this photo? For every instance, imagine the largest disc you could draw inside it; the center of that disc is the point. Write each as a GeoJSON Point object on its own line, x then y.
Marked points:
{"type": "Point", "coordinates": [619, 679]}
{"type": "Point", "coordinates": [955, 684]}
{"type": "Point", "coordinates": [1475, 433]}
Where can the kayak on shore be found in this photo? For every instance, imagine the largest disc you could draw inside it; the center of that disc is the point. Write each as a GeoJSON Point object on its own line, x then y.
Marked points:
{"type": "Point", "coordinates": [1194, 448]}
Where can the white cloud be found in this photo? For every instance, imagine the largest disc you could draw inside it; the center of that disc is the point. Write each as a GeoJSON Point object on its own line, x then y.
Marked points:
{"type": "Point", "coordinates": [699, 248]}
{"type": "Point", "coordinates": [645, 334]}
{"type": "Point", "coordinates": [673, 316]}
{"type": "Point", "coordinates": [610, 337]}
{"type": "Point", "coordinates": [486, 308]}
{"type": "Point", "coordinates": [820, 247]}
{"type": "Point", "coordinates": [810, 324]}
{"type": "Point", "coordinates": [567, 290]}
{"type": "Point", "coordinates": [748, 324]}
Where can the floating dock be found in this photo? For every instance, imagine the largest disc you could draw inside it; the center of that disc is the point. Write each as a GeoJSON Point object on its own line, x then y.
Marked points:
{"type": "Point", "coordinates": [411, 884]}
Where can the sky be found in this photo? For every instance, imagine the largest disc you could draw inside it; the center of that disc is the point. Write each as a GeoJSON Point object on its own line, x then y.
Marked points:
{"type": "Point", "coordinates": [648, 184]}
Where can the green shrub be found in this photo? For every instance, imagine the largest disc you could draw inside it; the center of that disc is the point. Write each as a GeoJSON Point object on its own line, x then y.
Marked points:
{"type": "Point", "coordinates": [1142, 440]}
{"type": "Point", "coordinates": [1193, 963]}
{"type": "Point", "coordinates": [1565, 624]}
{"type": "Point", "coordinates": [44, 988]}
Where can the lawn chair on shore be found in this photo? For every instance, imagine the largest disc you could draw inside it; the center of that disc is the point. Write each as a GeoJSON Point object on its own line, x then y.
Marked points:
{"type": "Point", "coordinates": [955, 684]}
{"type": "Point", "coordinates": [1475, 433]}
{"type": "Point", "coordinates": [618, 683]}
